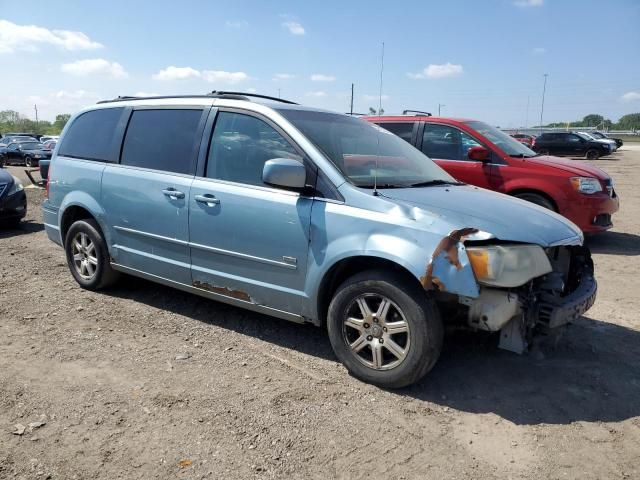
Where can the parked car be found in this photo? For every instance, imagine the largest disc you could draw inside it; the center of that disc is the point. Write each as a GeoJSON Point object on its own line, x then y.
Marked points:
{"type": "Point", "coordinates": [13, 201]}
{"type": "Point", "coordinates": [6, 140]}
{"type": "Point", "coordinates": [27, 153]}
{"type": "Point", "coordinates": [604, 136]}
{"type": "Point", "coordinates": [46, 138]}
{"type": "Point", "coordinates": [309, 216]}
{"type": "Point", "coordinates": [570, 144]}
{"type": "Point", "coordinates": [50, 144]}
{"type": "Point", "coordinates": [612, 143]}
{"type": "Point", "coordinates": [481, 155]}
{"type": "Point", "coordinates": [527, 140]}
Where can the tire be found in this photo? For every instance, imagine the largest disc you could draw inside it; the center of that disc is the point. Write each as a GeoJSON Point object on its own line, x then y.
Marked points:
{"type": "Point", "coordinates": [592, 154]}
{"type": "Point", "coordinates": [537, 199]}
{"type": "Point", "coordinates": [28, 162]}
{"type": "Point", "coordinates": [418, 346]}
{"type": "Point", "coordinates": [83, 239]}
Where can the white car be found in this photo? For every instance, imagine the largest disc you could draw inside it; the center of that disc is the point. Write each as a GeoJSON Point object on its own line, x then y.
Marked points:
{"type": "Point", "coordinates": [612, 143]}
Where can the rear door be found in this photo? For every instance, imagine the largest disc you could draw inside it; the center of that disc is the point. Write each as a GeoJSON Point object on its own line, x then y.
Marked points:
{"type": "Point", "coordinates": [249, 241]}
{"type": "Point", "coordinates": [448, 146]}
{"type": "Point", "coordinates": [146, 195]}
{"type": "Point", "coordinates": [573, 144]}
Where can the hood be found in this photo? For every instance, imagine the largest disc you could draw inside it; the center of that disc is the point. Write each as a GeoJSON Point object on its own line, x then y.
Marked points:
{"type": "Point", "coordinates": [505, 217]}
{"type": "Point", "coordinates": [571, 166]}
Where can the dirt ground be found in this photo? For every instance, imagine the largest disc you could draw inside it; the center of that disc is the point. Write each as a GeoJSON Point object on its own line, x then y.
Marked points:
{"type": "Point", "coordinates": [143, 381]}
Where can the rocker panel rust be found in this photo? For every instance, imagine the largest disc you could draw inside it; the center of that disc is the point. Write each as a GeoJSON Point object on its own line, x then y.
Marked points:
{"type": "Point", "coordinates": [226, 291]}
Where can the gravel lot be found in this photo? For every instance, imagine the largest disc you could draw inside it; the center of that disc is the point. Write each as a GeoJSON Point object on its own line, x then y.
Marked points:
{"type": "Point", "coordinates": [143, 381]}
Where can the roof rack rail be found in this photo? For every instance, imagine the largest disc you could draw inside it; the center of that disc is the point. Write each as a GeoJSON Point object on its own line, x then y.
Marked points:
{"type": "Point", "coordinates": [416, 113]}
{"type": "Point", "coordinates": [213, 94]}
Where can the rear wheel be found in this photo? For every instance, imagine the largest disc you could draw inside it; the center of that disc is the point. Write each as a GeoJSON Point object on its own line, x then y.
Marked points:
{"type": "Point", "coordinates": [592, 154]}
{"type": "Point", "coordinates": [537, 199]}
{"type": "Point", "coordinates": [384, 329]}
{"type": "Point", "coordinates": [88, 256]}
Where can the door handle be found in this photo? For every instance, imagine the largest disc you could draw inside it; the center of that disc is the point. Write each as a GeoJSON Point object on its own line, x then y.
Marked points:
{"type": "Point", "coordinates": [207, 198]}
{"type": "Point", "coordinates": [172, 193]}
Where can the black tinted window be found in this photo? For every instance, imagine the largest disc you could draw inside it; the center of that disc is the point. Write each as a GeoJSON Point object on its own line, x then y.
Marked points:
{"type": "Point", "coordinates": [91, 136]}
{"type": "Point", "coordinates": [240, 146]}
{"type": "Point", "coordinates": [162, 140]}
{"type": "Point", "coordinates": [403, 130]}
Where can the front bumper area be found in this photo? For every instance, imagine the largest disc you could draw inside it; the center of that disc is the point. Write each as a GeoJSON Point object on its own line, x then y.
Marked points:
{"type": "Point", "coordinates": [14, 206]}
{"type": "Point", "coordinates": [593, 213]}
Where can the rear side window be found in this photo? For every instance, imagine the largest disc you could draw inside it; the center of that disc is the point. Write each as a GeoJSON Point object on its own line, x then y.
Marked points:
{"type": "Point", "coordinates": [92, 136]}
{"type": "Point", "coordinates": [162, 140]}
{"type": "Point", "coordinates": [403, 130]}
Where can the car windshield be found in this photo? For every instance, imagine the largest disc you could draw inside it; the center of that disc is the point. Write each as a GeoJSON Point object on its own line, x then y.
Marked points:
{"type": "Point", "coordinates": [366, 154]}
{"type": "Point", "coordinates": [30, 145]}
{"type": "Point", "coordinates": [584, 136]}
{"type": "Point", "coordinates": [503, 141]}
{"type": "Point", "coordinates": [597, 135]}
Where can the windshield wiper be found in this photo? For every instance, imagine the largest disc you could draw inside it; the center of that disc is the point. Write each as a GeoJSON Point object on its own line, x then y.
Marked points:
{"type": "Point", "coordinates": [431, 183]}
{"type": "Point", "coordinates": [522, 155]}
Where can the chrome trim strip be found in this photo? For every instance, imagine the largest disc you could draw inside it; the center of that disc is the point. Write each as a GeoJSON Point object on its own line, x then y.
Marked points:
{"type": "Point", "coordinates": [242, 255]}
{"type": "Point", "coordinates": [54, 227]}
{"type": "Point", "coordinates": [206, 248]}
{"type": "Point", "coordinates": [274, 312]}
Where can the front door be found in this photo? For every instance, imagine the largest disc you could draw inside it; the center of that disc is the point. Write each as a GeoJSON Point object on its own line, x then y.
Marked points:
{"type": "Point", "coordinates": [146, 196]}
{"type": "Point", "coordinates": [249, 241]}
{"type": "Point", "coordinates": [448, 147]}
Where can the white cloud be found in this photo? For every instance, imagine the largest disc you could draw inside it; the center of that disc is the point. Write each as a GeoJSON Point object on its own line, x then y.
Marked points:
{"type": "Point", "coordinates": [283, 76]}
{"type": "Point", "coordinates": [94, 66]}
{"type": "Point", "coordinates": [222, 77]}
{"type": "Point", "coordinates": [318, 77]}
{"type": "Point", "coordinates": [438, 71]}
{"type": "Point", "coordinates": [294, 28]}
{"type": "Point", "coordinates": [176, 73]}
{"type": "Point", "coordinates": [75, 95]}
{"type": "Point", "coordinates": [539, 51]}
{"type": "Point", "coordinates": [236, 23]}
{"type": "Point", "coordinates": [15, 37]}
{"type": "Point", "coordinates": [630, 97]}
{"type": "Point", "coordinates": [317, 94]}
{"type": "Point", "coordinates": [528, 3]}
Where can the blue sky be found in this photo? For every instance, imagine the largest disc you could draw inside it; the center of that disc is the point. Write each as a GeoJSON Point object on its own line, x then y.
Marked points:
{"type": "Point", "coordinates": [481, 59]}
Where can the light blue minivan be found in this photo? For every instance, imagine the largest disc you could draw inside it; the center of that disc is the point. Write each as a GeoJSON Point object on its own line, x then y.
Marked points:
{"type": "Point", "coordinates": [309, 216]}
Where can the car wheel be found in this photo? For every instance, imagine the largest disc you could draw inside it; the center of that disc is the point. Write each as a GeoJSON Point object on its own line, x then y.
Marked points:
{"type": "Point", "coordinates": [384, 329]}
{"type": "Point", "coordinates": [28, 162]}
{"type": "Point", "coordinates": [88, 256]}
{"type": "Point", "coordinates": [543, 151]}
{"type": "Point", "coordinates": [592, 154]}
{"type": "Point", "coordinates": [537, 199]}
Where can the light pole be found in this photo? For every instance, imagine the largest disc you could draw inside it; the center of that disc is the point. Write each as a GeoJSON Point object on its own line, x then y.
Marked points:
{"type": "Point", "coordinates": [440, 105]}
{"type": "Point", "coordinates": [544, 89]}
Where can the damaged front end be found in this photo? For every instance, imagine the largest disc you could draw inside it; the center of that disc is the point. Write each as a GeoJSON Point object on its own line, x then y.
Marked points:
{"type": "Point", "coordinates": [523, 290]}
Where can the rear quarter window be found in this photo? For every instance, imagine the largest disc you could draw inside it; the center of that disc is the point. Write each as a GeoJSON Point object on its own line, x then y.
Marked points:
{"type": "Point", "coordinates": [92, 136]}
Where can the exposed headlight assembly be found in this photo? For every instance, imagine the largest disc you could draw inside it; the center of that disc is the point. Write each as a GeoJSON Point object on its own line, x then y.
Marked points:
{"type": "Point", "coordinates": [16, 187]}
{"type": "Point", "coordinates": [586, 185]}
{"type": "Point", "coordinates": [508, 265]}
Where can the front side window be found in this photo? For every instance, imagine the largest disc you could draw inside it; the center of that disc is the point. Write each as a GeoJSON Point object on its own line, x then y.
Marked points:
{"type": "Point", "coordinates": [91, 136]}
{"type": "Point", "coordinates": [445, 142]}
{"type": "Point", "coordinates": [509, 145]}
{"type": "Point", "coordinates": [162, 140]}
{"type": "Point", "coordinates": [365, 153]}
{"type": "Point", "coordinates": [404, 130]}
{"type": "Point", "coordinates": [240, 146]}
{"type": "Point", "coordinates": [575, 138]}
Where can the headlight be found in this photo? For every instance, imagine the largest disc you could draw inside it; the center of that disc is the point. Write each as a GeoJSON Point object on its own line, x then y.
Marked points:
{"type": "Point", "coordinates": [508, 265]}
{"type": "Point", "coordinates": [37, 155]}
{"type": "Point", "coordinates": [586, 185]}
{"type": "Point", "coordinates": [17, 186]}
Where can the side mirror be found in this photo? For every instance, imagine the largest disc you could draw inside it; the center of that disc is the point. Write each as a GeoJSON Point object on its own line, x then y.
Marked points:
{"type": "Point", "coordinates": [284, 172]}
{"type": "Point", "coordinates": [479, 154]}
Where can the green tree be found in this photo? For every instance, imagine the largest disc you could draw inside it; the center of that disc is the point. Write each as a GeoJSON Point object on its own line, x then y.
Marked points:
{"type": "Point", "coordinates": [61, 121]}
{"type": "Point", "coordinates": [629, 122]}
{"type": "Point", "coordinates": [592, 120]}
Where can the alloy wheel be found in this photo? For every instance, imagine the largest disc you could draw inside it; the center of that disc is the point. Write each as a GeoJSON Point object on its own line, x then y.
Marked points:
{"type": "Point", "coordinates": [85, 259]}
{"type": "Point", "coordinates": [376, 331]}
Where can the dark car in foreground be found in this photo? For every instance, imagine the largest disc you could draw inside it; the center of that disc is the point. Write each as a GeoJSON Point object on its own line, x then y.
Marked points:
{"type": "Point", "coordinates": [23, 153]}
{"type": "Point", "coordinates": [571, 144]}
{"type": "Point", "coordinates": [13, 201]}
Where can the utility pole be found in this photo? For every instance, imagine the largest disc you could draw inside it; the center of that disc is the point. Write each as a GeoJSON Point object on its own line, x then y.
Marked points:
{"type": "Point", "coordinates": [351, 109]}
{"type": "Point", "coordinates": [544, 89]}
{"type": "Point", "coordinates": [381, 73]}
{"type": "Point", "coordinates": [439, 106]}
{"type": "Point", "coordinates": [526, 116]}
{"type": "Point", "coordinates": [36, 109]}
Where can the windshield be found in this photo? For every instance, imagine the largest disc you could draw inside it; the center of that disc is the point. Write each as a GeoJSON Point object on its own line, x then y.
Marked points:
{"type": "Point", "coordinates": [360, 149]}
{"type": "Point", "coordinates": [30, 145]}
{"type": "Point", "coordinates": [503, 141]}
{"type": "Point", "coordinates": [584, 136]}
{"type": "Point", "coordinates": [597, 135]}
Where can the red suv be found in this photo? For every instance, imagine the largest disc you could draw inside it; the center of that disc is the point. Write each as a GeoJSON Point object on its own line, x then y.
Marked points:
{"type": "Point", "coordinates": [481, 155]}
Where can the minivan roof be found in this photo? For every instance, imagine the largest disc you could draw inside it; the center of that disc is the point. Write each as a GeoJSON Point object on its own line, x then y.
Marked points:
{"type": "Point", "coordinates": [214, 94]}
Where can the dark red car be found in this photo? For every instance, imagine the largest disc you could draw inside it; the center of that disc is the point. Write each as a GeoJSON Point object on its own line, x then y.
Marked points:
{"type": "Point", "coordinates": [528, 140]}
{"type": "Point", "coordinates": [481, 155]}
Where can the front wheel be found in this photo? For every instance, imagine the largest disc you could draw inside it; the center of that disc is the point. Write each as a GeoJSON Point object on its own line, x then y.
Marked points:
{"type": "Point", "coordinates": [592, 154]}
{"type": "Point", "coordinates": [28, 162]}
{"type": "Point", "coordinates": [384, 329]}
{"type": "Point", "coordinates": [537, 199]}
{"type": "Point", "coordinates": [88, 256]}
